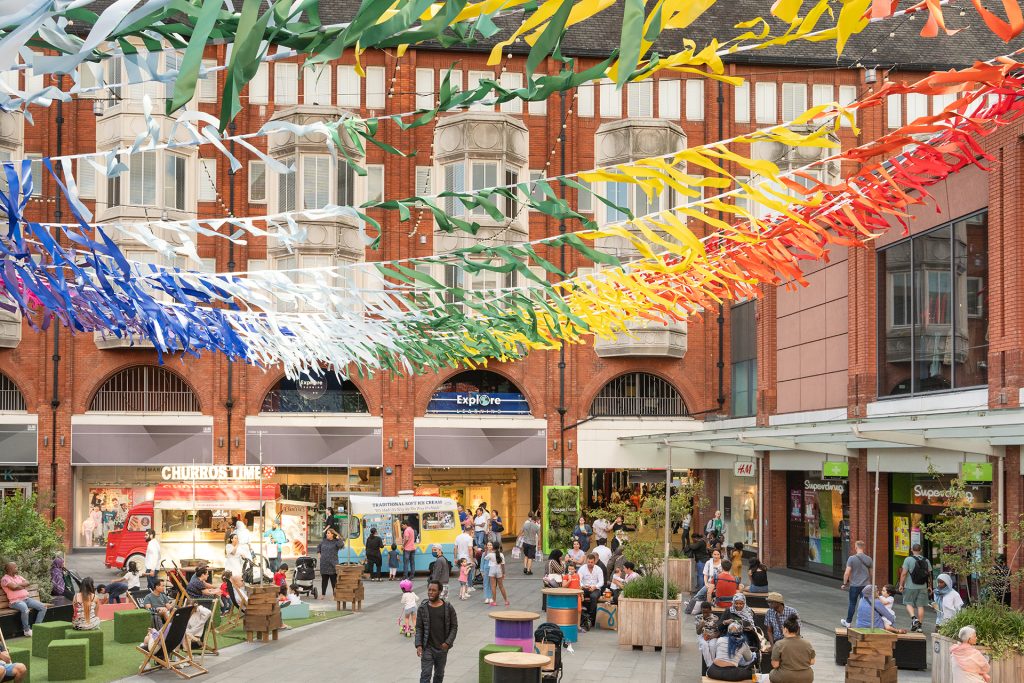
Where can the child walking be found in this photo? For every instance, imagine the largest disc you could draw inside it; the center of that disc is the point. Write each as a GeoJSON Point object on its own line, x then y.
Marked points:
{"type": "Point", "coordinates": [464, 579]}
{"type": "Point", "coordinates": [393, 562]}
{"type": "Point", "coordinates": [410, 603]}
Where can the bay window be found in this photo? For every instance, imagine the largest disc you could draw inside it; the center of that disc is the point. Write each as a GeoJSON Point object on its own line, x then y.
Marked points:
{"type": "Point", "coordinates": [174, 181]}
{"type": "Point", "coordinates": [316, 181]}
{"type": "Point", "coordinates": [485, 175]}
{"type": "Point", "coordinates": [932, 321]}
{"type": "Point", "coordinates": [142, 179]}
{"type": "Point", "coordinates": [286, 188]}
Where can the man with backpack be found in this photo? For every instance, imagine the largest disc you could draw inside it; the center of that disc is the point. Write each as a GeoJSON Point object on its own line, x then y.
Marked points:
{"type": "Point", "coordinates": [916, 585]}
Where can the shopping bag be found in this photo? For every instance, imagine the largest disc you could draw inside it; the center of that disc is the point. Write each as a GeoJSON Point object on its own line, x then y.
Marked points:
{"type": "Point", "coordinates": [517, 553]}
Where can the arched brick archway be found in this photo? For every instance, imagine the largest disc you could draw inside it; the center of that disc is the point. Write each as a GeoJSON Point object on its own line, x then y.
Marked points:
{"type": "Point", "coordinates": [680, 408]}
{"type": "Point", "coordinates": [144, 387]}
{"type": "Point", "coordinates": [268, 380]}
{"type": "Point", "coordinates": [12, 398]}
{"type": "Point", "coordinates": [352, 399]}
{"type": "Point", "coordinates": [425, 392]}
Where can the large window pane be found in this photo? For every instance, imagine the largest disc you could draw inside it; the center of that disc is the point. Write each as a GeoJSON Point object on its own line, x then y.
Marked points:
{"type": "Point", "coordinates": [316, 183]}
{"type": "Point", "coordinates": [286, 188]}
{"type": "Point", "coordinates": [932, 320]}
{"type": "Point", "coordinates": [142, 179]}
{"type": "Point", "coordinates": [933, 300]}
{"type": "Point", "coordinates": [895, 311]}
{"type": "Point", "coordinates": [970, 239]}
{"type": "Point", "coordinates": [174, 182]}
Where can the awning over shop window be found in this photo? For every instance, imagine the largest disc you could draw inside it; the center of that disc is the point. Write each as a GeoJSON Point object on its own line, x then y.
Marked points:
{"type": "Point", "coordinates": [19, 440]}
{"type": "Point", "coordinates": [142, 440]}
{"type": "Point", "coordinates": [227, 496]}
{"type": "Point", "coordinates": [482, 445]}
{"type": "Point", "coordinates": [310, 441]}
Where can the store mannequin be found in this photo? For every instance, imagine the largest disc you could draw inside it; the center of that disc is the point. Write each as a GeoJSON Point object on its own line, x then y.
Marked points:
{"type": "Point", "coordinates": [749, 509]}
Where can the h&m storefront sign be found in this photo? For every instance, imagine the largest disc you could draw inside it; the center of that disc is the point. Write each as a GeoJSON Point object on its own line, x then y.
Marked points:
{"type": "Point", "coordinates": [477, 403]}
{"type": "Point", "coordinates": [743, 468]}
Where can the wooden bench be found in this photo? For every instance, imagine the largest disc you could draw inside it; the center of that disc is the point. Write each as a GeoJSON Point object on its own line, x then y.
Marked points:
{"type": "Point", "coordinates": [10, 619]}
{"type": "Point", "coordinates": [910, 651]}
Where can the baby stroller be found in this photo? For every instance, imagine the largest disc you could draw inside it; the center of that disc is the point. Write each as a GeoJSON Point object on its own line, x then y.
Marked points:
{"type": "Point", "coordinates": [305, 576]}
{"type": "Point", "coordinates": [546, 637]}
{"type": "Point", "coordinates": [256, 570]}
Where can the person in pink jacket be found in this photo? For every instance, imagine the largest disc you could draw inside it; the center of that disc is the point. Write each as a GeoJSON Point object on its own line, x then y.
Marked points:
{"type": "Point", "coordinates": [969, 664]}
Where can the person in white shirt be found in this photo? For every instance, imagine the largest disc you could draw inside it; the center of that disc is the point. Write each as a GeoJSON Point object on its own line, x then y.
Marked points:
{"type": "Point", "coordinates": [601, 527]}
{"type": "Point", "coordinates": [947, 601]}
{"type": "Point", "coordinates": [592, 583]}
{"type": "Point", "coordinates": [626, 574]}
{"type": "Point", "coordinates": [481, 525]}
{"type": "Point", "coordinates": [464, 551]}
{"type": "Point", "coordinates": [152, 558]}
{"type": "Point", "coordinates": [602, 551]}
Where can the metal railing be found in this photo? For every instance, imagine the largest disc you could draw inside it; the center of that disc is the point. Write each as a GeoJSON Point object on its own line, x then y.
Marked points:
{"type": "Point", "coordinates": [11, 398]}
{"type": "Point", "coordinates": [145, 389]}
{"type": "Point", "coordinates": [638, 394]}
{"type": "Point", "coordinates": [293, 401]}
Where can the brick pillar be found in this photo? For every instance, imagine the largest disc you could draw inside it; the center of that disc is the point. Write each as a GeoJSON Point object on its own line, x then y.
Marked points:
{"type": "Point", "coordinates": [1013, 506]}
{"type": "Point", "coordinates": [767, 354]}
{"type": "Point", "coordinates": [776, 501]}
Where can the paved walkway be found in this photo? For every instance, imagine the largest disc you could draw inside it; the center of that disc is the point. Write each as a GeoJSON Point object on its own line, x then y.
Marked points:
{"type": "Point", "coordinates": [367, 645]}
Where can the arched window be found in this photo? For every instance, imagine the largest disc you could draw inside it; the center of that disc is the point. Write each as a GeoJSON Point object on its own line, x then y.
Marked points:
{"type": "Point", "coordinates": [478, 392]}
{"type": "Point", "coordinates": [145, 389]}
{"type": "Point", "coordinates": [11, 398]}
{"type": "Point", "coordinates": [638, 394]}
{"type": "Point", "coordinates": [326, 394]}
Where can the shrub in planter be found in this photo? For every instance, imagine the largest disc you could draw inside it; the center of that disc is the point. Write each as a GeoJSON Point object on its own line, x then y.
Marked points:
{"type": "Point", "coordinates": [1000, 629]}
{"type": "Point", "coordinates": [649, 588]}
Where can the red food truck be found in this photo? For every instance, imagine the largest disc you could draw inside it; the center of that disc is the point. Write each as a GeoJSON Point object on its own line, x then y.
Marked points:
{"type": "Point", "coordinates": [192, 521]}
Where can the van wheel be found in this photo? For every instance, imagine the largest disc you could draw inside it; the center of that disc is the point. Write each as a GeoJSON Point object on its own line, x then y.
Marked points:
{"type": "Point", "coordinates": [138, 559]}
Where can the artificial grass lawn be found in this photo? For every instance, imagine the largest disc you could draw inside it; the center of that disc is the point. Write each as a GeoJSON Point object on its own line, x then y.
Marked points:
{"type": "Point", "coordinates": [121, 660]}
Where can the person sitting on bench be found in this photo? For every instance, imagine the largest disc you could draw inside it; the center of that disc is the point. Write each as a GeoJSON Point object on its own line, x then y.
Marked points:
{"type": "Point", "coordinates": [16, 588]}
{"type": "Point", "coordinates": [733, 657]}
{"type": "Point", "coordinates": [158, 603]}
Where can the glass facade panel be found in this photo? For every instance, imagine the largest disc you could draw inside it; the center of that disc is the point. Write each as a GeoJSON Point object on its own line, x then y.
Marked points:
{"type": "Point", "coordinates": [932, 318]}
{"type": "Point", "coordinates": [818, 520]}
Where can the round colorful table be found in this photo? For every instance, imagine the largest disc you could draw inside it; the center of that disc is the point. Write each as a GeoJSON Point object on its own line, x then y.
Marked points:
{"type": "Point", "coordinates": [514, 627]}
{"type": "Point", "coordinates": [564, 610]}
{"type": "Point", "coordinates": [516, 667]}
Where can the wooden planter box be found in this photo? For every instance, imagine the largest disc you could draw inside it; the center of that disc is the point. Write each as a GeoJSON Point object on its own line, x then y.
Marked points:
{"type": "Point", "coordinates": [680, 572]}
{"type": "Point", "coordinates": [640, 623]}
{"type": "Point", "coordinates": [1007, 670]}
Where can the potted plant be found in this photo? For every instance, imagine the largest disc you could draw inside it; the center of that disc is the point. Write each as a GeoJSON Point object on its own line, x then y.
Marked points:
{"type": "Point", "coordinates": [1000, 636]}
{"type": "Point", "coordinates": [640, 612]}
{"type": "Point", "coordinates": [678, 566]}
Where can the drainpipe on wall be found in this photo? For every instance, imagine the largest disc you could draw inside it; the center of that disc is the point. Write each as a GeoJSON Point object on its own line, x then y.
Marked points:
{"type": "Point", "coordinates": [55, 396]}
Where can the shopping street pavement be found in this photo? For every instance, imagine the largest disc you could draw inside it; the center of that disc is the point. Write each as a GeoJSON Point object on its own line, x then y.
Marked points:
{"type": "Point", "coordinates": [367, 645]}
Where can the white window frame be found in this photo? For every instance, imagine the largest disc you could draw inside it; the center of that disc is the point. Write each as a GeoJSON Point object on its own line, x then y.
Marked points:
{"type": "Point", "coordinates": [847, 96]}
{"type": "Point", "coordinates": [374, 182]}
{"type": "Point", "coordinates": [253, 166]}
{"type": "Point", "coordinates": [669, 99]}
{"type": "Point", "coordinates": [474, 80]}
{"type": "Point", "coordinates": [316, 85]}
{"type": "Point", "coordinates": [940, 102]}
{"type": "Point", "coordinates": [766, 102]}
{"type": "Point", "coordinates": [511, 80]}
{"type": "Point", "coordinates": [640, 99]}
{"type": "Point", "coordinates": [426, 89]}
{"type": "Point", "coordinates": [585, 198]}
{"type": "Point", "coordinates": [137, 195]}
{"type": "Point", "coordinates": [424, 181]}
{"type": "Point", "coordinates": [314, 168]}
{"type": "Point", "coordinates": [37, 173]}
{"type": "Point", "coordinates": [741, 102]}
{"type": "Point", "coordinates": [286, 83]}
{"type": "Point", "coordinates": [894, 111]}
{"type": "Point", "coordinates": [611, 100]}
{"type": "Point", "coordinates": [917, 106]}
{"type": "Point", "coordinates": [207, 191]}
{"type": "Point", "coordinates": [376, 87]}
{"type": "Point", "coordinates": [537, 107]}
{"type": "Point", "coordinates": [287, 186]}
{"type": "Point", "coordinates": [485, 165]}
{"type": "Point", "coordinates": [259, 86]}
{"type": "Point", "coordinates": [348, 87]}
{"type": "Point", "coordinates": [585, 99]}
{"type": "Point", "coordinates": [208, 90]}
{"type": "Point", "coordinates": [694, 99]}
{"type": "Point", "coordinates": [180, 184]}
{"type": "Point", "coordinates": [453, 206]}
{"type": "Point", "coordinates": [617, 193]}
{"type": "Point", "coordinates": [85, 178]}
{"type": "Point", "coordinates": [822, 93]}
{"type": "Point", "coordinates": [794, 100]}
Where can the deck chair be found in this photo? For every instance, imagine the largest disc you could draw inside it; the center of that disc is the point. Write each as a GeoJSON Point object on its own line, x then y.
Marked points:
{"type": "Point", "coordinates": [177, 579]}
{"type": "Point", "coordinates": [137, 595]}
{"type": "Point", "coordinates": [233, 619]}
{"type": "Point", "coordinates": [172, 651]}
{"type": "Point", "coordinates": [208, 640]}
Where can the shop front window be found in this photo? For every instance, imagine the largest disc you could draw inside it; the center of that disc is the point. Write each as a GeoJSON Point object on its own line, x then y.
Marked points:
{"type": "Point", "coordinates": [932, 318]}
{"type": "Point", "coordinates": [739, 504]}
{"type": "Point", "coordinates": [478, 392]}
{"type": "Point", "coordinates": [325, 394]}
{"type": "Point", "coordinates": [818, 538]}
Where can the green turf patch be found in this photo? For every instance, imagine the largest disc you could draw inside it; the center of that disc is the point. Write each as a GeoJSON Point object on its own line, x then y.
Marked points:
{"type": "Point", "coordinates": [121, 660]}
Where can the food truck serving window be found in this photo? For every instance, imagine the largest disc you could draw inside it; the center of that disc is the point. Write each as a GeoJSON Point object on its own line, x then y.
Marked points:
{"type": "Point", "coordinates": [435, 521]}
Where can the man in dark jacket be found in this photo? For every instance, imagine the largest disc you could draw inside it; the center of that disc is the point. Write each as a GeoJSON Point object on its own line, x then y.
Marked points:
{"type": "Point", "coordinates": [440, 570]}
{"type": "Point", "coordinates": [436, 628]}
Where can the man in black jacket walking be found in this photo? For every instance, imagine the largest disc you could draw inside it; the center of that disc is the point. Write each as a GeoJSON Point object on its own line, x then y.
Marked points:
{"type": "Point", "coordinates": [436, 627]}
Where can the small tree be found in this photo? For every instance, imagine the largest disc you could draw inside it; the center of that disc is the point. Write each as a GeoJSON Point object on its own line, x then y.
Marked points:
{"type": "Point", "coordinates": [967, 541]}
{"type": "Point", "coordinates": [680, 504]}
{"type": "Point", "coordinates": [30, 540]}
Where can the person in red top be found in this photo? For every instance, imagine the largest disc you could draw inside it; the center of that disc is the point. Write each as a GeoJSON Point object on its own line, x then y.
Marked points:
{"type": "Point", "coordinates": [725, 586]}
{"type": "Point", "coordinates": [281, 576]}
{"type": "Point", "coordinates": [408, 551]}
{"type": "Point", "coordinates": [16, 588]}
